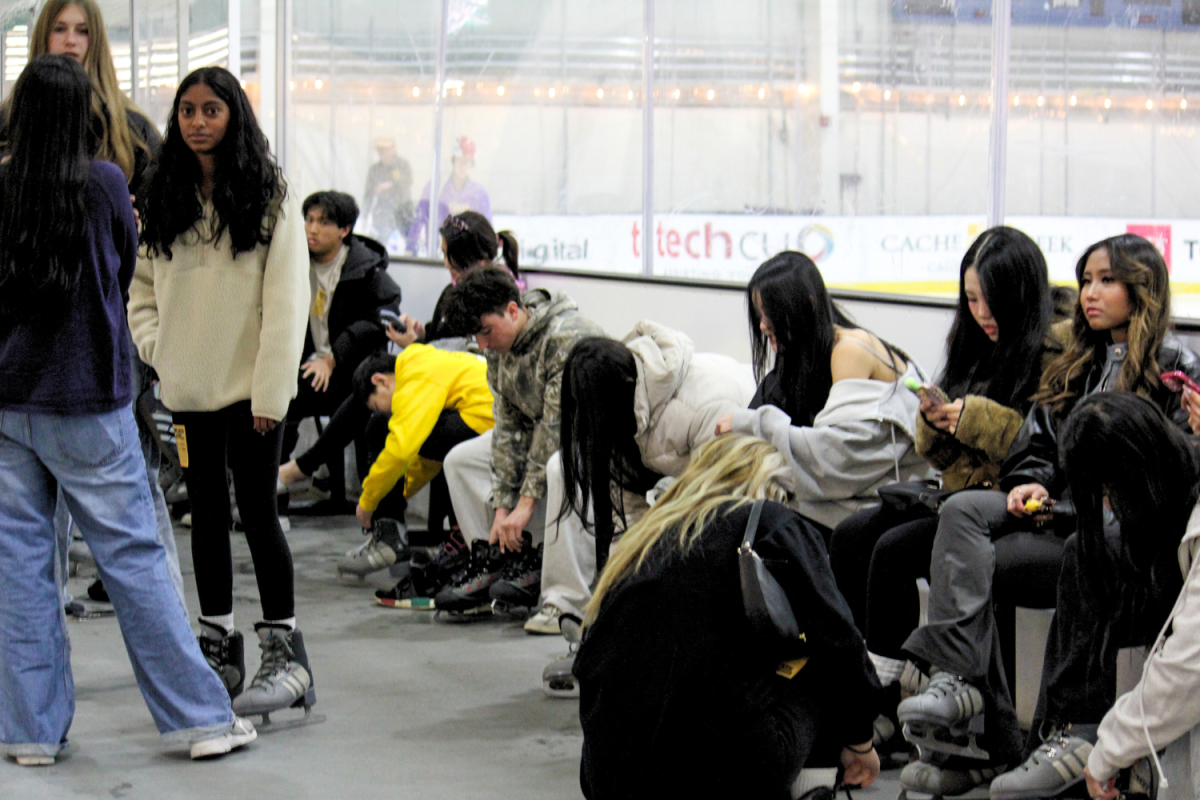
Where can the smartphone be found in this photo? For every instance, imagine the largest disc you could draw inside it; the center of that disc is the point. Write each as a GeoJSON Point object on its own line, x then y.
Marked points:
{"type": "Point", "coordinates": [1176, 380]}
{"type": "Point", "coordinates": [388, 317]}
{"type": "Point", "coordinates": [926, 390]}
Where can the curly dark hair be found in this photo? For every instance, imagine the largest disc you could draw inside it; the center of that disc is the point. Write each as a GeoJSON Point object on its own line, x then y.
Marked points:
{"type": "Point", "coordinates": [247, 187]}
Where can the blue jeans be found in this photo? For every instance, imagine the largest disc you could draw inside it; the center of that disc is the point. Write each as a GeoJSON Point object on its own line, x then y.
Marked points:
{"type": "Point", "coordinates": [97, 462]}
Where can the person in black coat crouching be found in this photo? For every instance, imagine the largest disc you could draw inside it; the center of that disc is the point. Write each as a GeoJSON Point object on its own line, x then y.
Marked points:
{"type": "Point", "coordinates": [679, 697]}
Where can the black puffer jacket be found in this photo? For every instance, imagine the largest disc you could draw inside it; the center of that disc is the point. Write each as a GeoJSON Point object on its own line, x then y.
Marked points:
{"type": "Point", "coordinates": [1033, 457]}
{"type": "Point", "coordinates": [363, 290]}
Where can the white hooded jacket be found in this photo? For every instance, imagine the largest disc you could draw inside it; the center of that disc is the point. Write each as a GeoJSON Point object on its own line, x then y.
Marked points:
{"type": "Point", "coordinates": [1165, 705]}
{"type": "Point", "coordinates": [680, 395]}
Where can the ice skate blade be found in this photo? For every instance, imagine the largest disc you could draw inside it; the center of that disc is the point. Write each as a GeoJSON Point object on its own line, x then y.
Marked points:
{"type": "Point", "coordinates": [268, 725]}
{"type": "Point", "coordinates": [473, 614]}
{"type": "Point", "coordinates": [925, 738]}
{"type": "Point", "coordinates": [978, 793]}
{"type": "Point", "coordinates": [561, 688]}
{"type": "Point", "coordinates": [505, 610]}
{"type": "Point", "coordinates": [90, 609]}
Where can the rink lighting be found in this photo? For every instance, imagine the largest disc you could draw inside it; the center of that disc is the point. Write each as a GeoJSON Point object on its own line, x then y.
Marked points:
{"type": "Point", "coordinates": [318, 83]}
{"type": "Point", "coordinates": [1017, 100]}
{"type": "Point", "coordinates": [1041, 101]}
{"type": "Point", "coordinates": [962, 99]}
{"type": "Point", "coordinates": [676, 94]}
{"type": "Point", "coordinates": [630, 95]}
{"type": "Point", "coordinates": [887, 94]}
{"type": "Point", "coordinates": [856, 86]}
{"type": "Point", "coordinates": [1074, 100]}
{"type": "Point", "coordinates": [500, 90]}
{"type": "Point", "coordinates": [1107, 102]}
{"type": "Point", "coordinates": [762, 94]}
{"type": "Point", "coordinates": [551, 92]}
{"type": "Point", "coordinates": [416, 91]}
{"type": "Point", "coordinates": [711, 94]}
{"type": "Point", "coordinates": [599, 94]}
{"type": "Point", "coordinates": [1149, 105]}
{"type": "Point", "coordinates": [1183, 103]}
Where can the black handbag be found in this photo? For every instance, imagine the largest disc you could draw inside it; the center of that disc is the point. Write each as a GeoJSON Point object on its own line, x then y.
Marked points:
{"type": "Point", "coordinates": [913, 498]}
{"type": "Point", "coordinates": [767, 606]}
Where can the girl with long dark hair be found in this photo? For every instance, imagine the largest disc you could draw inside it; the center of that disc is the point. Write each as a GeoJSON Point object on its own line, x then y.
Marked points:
{"type": "Point", "coordinates": [832, 398]}
{"type": "Point", "coordinates": [1129, 579]}
{"type": "Point", "coordinates": [632, 412]}
{"type": "Point", "coordinates": [67, 250]}
{"type": "Point", "coordinates": [218, 307]}
{"type": "Point", "coordinates": [997, 347]}
{"type": "Point", "coordinates": [1119, 340]}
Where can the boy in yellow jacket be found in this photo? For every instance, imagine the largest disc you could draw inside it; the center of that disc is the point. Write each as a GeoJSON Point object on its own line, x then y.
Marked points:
{"type": "Point", "coordinates": [437, 399]}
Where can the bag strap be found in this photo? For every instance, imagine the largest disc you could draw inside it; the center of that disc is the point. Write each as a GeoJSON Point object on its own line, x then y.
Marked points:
{"type": "Point", "coordinates": [752, 525]}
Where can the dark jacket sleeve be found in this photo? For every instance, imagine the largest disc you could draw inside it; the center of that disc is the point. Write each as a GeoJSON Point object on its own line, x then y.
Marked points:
{"type": "Point", "coordinates": [839, 653]}
{"type": "Point", "coordinates": [365, 335]}
{"type": "Point", "coordinates": [143, 129]}
{"type": "Point", "coordinates": [1033, 457]}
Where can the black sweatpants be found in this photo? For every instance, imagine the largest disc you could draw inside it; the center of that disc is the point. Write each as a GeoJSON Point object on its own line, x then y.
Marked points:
{"type": "Point", "coordinates": [217, 440]}
{"type": "Point", "coordinates": [347, 423]}
{"type": "Point", "coordinates": [449, 431]}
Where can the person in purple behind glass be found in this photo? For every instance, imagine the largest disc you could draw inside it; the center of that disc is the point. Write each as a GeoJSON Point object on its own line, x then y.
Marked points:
{"type": "Point", "coordinates": [68, 245]}
{"type": "Point", "coordinates": [459, 193]}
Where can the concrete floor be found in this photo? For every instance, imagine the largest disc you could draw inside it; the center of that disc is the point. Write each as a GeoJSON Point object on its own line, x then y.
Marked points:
{"type": "Point", "coordinates": [415, 707]}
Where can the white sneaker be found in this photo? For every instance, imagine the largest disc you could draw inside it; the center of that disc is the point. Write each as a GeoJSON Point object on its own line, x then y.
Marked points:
{"type": "Point", "coordinates": [34, 761]}
{"type": "Point", "coordinates": [186, 520]}
{"type": "Point", "coordinates": [240, 733]}
{"type": "Point", "coordinates": [545, 621]}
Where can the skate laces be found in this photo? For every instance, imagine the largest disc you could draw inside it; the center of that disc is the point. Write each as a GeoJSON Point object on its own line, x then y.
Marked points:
{"type": "Point", "coordinates": [947, 684]}
{"type": "Point", "coordinates": [216, 651]}
{"type": "Point", "coordinates": [276, 655]}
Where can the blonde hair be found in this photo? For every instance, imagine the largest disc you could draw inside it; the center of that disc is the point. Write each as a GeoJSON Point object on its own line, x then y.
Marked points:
{"type": "Point", "coordinates": [734, 469]}
{"type": "Point", "coordinates": [115, 141]}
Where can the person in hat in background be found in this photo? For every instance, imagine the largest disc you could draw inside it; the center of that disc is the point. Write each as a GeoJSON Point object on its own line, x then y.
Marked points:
{"type": "Point", "coordinates": [387, 199]}
{"type": "Point", "coordinates": [459, 193]}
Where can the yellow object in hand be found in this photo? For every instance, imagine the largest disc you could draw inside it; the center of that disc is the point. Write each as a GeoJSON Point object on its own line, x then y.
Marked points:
{"type": "Point", "coordinates": [1033, 505]}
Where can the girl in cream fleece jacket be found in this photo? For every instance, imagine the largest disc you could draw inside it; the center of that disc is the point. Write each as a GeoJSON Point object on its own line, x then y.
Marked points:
{"type": "Point", "coordinates": [218, 307]}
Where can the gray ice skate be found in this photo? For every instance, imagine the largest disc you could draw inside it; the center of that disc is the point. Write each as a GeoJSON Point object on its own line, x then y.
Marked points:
{"type": "Point", "coordinates": [558, 678]}
{"type": "Point", "coordinates": [945, 718]}
{"type": "Point", "coordinates": [387, 545]}
{"type": "Point", "coordinates": [926, 779]}
{"type": "Point", "coordinates": [283, 681]}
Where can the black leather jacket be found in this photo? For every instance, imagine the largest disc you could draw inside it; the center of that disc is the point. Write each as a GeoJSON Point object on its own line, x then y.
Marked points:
{"type": "Point", "coordinates": [1033, 457]}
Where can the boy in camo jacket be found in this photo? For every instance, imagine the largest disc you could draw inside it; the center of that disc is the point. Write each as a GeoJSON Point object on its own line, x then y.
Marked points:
{"type": "Point", "coordinates": [526, 339]}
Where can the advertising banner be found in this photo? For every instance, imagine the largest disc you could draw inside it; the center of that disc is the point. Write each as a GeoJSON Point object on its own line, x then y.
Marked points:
{"type": "Point", "coordinates": [907, 255]}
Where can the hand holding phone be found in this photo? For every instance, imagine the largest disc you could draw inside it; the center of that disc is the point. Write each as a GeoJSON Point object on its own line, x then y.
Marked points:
{"type": "Point", "coordinates": [927, 391]}
{"type": "Point", "coordinates": [391, 319]}
{"type": "Point", "coordinates": [1176, 380]}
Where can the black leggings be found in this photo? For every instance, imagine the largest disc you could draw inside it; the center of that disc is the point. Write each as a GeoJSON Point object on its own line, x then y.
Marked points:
{"type": "Point", "coordinates": [217, 440]}
{"type": "Point", "coordinates": [348, 424]}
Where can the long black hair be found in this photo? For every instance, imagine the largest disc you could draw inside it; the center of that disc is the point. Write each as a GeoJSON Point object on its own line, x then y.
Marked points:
{"type": "Point", "coordinates": [44, 218]}
{"type": "Point", "coordinates": [791, 293]}
{"type": "Point", "coordinates": [248, 183]}
{"type": "Point", "coordinates": [1012, 274]}
{"type": "Point", "coordinates": [598, 428]}
{"type": "Point", "coordinates": [470, 239]}
{"type": "Point", "coordinates": [1122, 446]}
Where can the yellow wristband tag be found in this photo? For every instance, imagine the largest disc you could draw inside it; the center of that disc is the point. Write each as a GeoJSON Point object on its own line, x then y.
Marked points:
{"type": "Point", "coordinates": [181, 445]}
{"type": "Point", "coordinates": [790, 669]}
